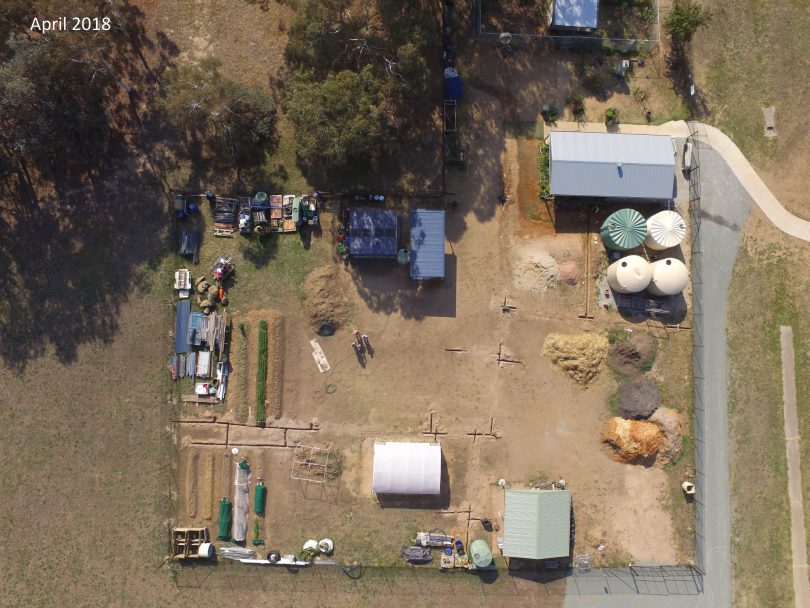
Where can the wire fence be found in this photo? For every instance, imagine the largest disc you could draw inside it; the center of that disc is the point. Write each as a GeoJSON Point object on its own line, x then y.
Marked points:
{"type": "Point", "coordinates": [412, 581]}
{"type": "Point", "coordinates": [572, 41]}
{"type": "Point", "coordinates": [697, 339]}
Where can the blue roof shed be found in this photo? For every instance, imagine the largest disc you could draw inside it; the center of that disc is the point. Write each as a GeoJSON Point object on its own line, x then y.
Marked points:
{"type": "Point", "coordinates": [181, 326]}
{"type": "Point", "coordinates": [427, 244]}
{"type": "Point", "coordinates": [373, 233]}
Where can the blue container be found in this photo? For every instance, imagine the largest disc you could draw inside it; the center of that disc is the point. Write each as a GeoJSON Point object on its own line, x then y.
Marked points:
{"type": "Point", "coordinates": [448, 550]}
{"type": "Point", "coordinates": [179, 214]}
{"type": "Point", "coordinates": [192, 208]}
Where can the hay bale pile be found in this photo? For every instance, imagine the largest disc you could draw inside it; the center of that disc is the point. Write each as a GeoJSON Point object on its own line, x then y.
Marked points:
{"type": "Point", "coordinates": [669, 421]}
{"type": "Point", "coordinates": [326, 303]}
{"type": "Point", "coordinates": [580, 356]}
{"type": "Point", "coordinates": [633, 441]}
{"type": "Point", "coordinates": [633, 356]}
{"type": "Point", "coordinates": [638, 400]}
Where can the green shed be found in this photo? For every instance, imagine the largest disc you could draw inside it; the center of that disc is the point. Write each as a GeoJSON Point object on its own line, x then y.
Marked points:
{"type": "Point", "coordinates": [225, 519]}
{"type": "Point", "coordinates": [259, 498]}
{"type": "Point", "coordinates": [624, 230]}
{"type": "Point", "coordinates": [537, 524]}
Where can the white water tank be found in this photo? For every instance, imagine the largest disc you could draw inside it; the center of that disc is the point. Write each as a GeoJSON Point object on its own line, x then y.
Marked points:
{"type": "Point", "coordinates": [206, 550]}
{"type": "Point", "coordinates": [664, 230]}
{"type": "Point", "coordinates": [669, 277]}
{"type": "Point", "coordinates": [629, 275]}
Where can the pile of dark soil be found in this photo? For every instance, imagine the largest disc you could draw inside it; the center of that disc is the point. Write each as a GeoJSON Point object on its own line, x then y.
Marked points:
{"type": "Point", "coordinates": [638, 400]}
{"type": "Point", "coordinates": [634, 356]}
{"type": "Point", "coordinates": [325, 300]}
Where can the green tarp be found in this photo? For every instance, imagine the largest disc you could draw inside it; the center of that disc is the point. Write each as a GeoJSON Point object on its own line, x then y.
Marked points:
{"type": "Point", "coordinates": [225, 519]}
{"type": "Point", "coordinates": [624, 230]}
{"type": "Point", "coordinates": [259, 498]}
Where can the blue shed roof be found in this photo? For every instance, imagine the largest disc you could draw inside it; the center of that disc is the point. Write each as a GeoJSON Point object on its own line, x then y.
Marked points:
{"type": "Point", "coordinates": [373, 233]}
{"type": "Point", "coordinates": [427, 244]}
{"type": "Point", "coordinates": [181, 326]}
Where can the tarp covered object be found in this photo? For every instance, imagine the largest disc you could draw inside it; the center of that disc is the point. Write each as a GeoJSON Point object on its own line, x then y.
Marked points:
{"type": "Point", "coordinates": [181, 326]}
{"type": "Point", "coordinates": [407, 468]}
{"type": "Point", "coordinates": [225, 519]}
{"type": "Point", "coordinates": [453, 86]}
{"type": "Point", "coordinates": [259, 498]}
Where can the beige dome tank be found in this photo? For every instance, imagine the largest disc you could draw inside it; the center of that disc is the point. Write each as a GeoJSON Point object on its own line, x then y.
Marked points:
{"type": "Point", "coordinates": [664, 230]}
{"type": "Point", "coordinates": [629, 275]}
{"type": "Point", "coordinates": [669, 277]}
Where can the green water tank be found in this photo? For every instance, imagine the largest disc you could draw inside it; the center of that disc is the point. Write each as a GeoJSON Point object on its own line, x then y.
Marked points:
{"type": "Point", "coordinates": [481, 553]}
{"type": "Point", "coordinates": [259, 498]}
{"type": "Point", "coordinates": [225, 519]}
{"type": "Point", "coordinates": [624, 230]}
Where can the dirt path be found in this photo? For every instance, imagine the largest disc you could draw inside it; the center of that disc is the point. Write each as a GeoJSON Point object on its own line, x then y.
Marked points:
{"type": "Point", "coordinates": [798, 541]}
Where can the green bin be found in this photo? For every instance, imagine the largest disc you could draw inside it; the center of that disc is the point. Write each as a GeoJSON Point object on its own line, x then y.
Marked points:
{"type": "Point", "coordinates": [260, 498]}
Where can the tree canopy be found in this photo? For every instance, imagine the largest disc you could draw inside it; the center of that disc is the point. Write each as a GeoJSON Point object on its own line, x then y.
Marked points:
{"type": "Point", "coordinates": [383, 43]}
{"type": "Point", "coordinates": [684, 20]}
{"type": "Point", "coordinates": [235, 121]}
{"type": "Point", "coordinates": [338, 121]}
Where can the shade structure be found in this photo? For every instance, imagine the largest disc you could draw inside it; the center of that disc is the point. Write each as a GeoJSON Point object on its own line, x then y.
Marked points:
{"type": "Point", "coordinates": [631, 274]}
{"type": "Point", "coordinates": [407, 468]}
{"type": "Point", "coordinates": [481, 553]}
{"type": "Point", "coordinates": [669, 277]}
{"type": "Point", "coordinates": [624, 230]}
{"type": "Point", "coordinates": [664, 230]}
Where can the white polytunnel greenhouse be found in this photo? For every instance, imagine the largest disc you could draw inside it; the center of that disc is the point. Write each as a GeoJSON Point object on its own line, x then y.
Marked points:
{"type": "Point", "coordinates": [407, 468]}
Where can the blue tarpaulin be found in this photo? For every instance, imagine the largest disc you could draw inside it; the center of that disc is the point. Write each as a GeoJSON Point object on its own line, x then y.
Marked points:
{"type": "Point", "coordinates": [372, 233]}
{"type": "Point", "coordinates": [453, 87]}
{"type": "Point", "coordinates": [181, 326]}
{"type": "Point", "coordinates": [427, 244]}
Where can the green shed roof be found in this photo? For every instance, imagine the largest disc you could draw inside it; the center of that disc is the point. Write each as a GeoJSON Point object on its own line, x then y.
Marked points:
{"type": "Point", "coordinates": [624, 230]}
{"type": "Point", "coordinates": [537, 524]}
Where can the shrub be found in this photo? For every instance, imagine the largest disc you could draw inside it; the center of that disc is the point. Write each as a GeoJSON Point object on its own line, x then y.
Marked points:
{"type": "Point", "coordinates": [611, 116]}
{"type": "Point", "coordinates": [684, 20]}
{"type": "Point", "coordinates": [261, 374]}
{"type": "Point", "coordinates": [545, 183]}
{"type": "Point", "coordinates": [576, 104]}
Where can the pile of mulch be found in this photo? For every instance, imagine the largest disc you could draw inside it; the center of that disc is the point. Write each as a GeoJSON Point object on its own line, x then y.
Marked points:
{"type": "Point", "coordinates": [326, 303]}
{"type": "Point", "coordinates": [638, 400]}
{"type": "Point", "coordinates": [581, 356]}
{"type": "Point", "coordinates": [670, 421]}
{"type": "Point", "coordinates": [569, 273]}
{"type": "Point", "coordinates": [634, 356]}
{"type": "Point", "coordinates": [633, 441]}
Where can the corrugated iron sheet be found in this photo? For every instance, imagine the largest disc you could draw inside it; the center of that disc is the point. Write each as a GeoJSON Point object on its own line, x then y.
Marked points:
{"type": "Point", "coordinates": [612, 165]}
{"type": "Point", "coordinates": [427, 244]}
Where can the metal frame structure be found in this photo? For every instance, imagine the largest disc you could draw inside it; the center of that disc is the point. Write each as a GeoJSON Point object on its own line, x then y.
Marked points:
{"type": "Point", "coordinates": [308, 458]}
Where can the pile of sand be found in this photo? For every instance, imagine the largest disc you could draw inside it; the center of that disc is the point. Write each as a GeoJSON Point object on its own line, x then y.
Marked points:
{"type": "Point", "coordinates": [638, 400]}
{"type": "Point", "coordinates": [669, 421]}
{"type": "Point", "coordinates": [580, 356]}
{"type": "Point", "coordinates": [633, 441]}
{"type": "Point", "coordinates": [535, 270]}
{"type": "Point", "coordinates": [325, 301]}
{"type": "Point", "coordinates": [569, 273]}
{"type": "Point", "coordinates": [633, 356]}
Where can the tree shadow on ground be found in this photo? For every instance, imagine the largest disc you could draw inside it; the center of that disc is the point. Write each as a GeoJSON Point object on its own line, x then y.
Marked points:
{"type": "Point", "coordinates": [78, 242]}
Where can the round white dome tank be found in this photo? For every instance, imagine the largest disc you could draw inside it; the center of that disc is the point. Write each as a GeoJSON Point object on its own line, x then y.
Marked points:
{"type": "Point", "coordinates": [664, 230]}
{"type": "Point", "coordinates": [669, 277]}
{"type": "Point", "coordinates": [629, 275]}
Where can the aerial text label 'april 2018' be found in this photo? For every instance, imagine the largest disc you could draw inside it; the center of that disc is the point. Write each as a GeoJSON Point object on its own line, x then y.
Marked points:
{"type": "Point", "coordinates": [71, 24]}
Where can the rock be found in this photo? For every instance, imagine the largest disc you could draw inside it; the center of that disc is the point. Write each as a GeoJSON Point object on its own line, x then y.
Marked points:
{"type": "Point", "coordinates": [580, 356]}
{"type": "Point", "coordinates": [633, 441]}
{"type": "Point", "coordinates": [638, 400]}
{"type": "Point", "coordinates": [670, 422]}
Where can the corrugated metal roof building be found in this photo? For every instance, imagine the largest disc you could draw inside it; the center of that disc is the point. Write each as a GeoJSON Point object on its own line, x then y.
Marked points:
{"type": "Point", "coordinates": [373, 233]}
{"type": "Point", "coordinates": [575, 14]}
{"type": "Point", "coordinates": [537, 524]}
{"type": "Point", "coordinates": [427, 244]}
{"type": "Point", "coordinates": [612, 165]}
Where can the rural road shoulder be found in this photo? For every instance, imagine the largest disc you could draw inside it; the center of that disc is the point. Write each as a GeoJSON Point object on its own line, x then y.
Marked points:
{"type": "Point", "coordinates": [798, 541]}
